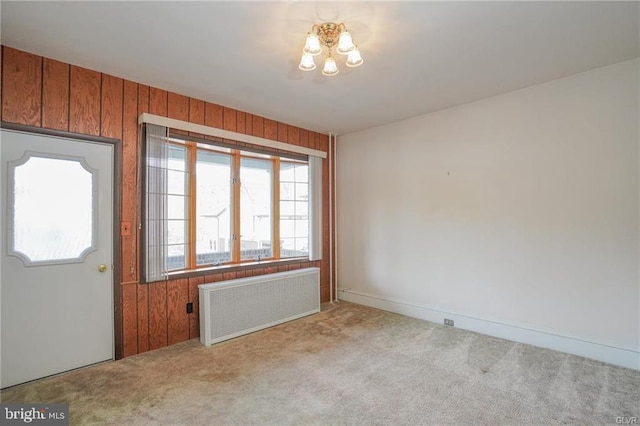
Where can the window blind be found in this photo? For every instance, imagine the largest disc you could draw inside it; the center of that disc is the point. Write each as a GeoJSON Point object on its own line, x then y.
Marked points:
{"type": "Point", "coordinates": [155, 219]}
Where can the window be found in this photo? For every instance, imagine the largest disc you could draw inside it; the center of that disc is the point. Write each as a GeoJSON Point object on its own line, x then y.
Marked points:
{"type": "Point", "coordinates": [294, 209]}
{"type": "Point", "coordinates": [208, 205]}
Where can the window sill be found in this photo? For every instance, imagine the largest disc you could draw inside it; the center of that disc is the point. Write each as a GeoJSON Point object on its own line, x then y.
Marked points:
{"type": "Point", "coordinates": [234, 268]}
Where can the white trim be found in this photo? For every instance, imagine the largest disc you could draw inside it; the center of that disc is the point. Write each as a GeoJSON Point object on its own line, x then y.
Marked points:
{"type": "Point", "coordinates": [315, 209]}
{"type": "Point", "coordinates": [172, 123]}
{"type": "Point", "coordinates": [628, 357]}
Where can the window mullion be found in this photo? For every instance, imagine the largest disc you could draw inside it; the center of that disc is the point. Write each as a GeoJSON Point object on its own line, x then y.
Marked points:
{"type": "Point", "coordinates": [235, 202]}
{"type": "Point", "coordinates": [192, 155]}
{"type": "Point", "coordinates": [276, 209]}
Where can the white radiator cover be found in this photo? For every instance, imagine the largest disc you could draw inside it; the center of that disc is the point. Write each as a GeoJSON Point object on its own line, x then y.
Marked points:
{"type": "Point", "coordinates": [232, 308]}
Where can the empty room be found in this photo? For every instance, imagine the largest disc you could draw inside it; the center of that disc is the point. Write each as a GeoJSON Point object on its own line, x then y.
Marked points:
{"type": "Point", "coordinates": [320, 213]}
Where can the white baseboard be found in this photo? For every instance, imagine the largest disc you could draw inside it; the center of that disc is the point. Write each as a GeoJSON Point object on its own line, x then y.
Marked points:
{"type": "Point", "coordinates": [621, 356]}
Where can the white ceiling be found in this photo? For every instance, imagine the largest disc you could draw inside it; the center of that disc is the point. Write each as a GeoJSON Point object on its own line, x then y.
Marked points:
{"type": "Point", "coordinates": [419, 56]}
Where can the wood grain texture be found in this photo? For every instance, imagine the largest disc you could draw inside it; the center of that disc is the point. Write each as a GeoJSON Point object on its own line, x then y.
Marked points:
{"type": "Point", "coordinates": [157, 315]}
{"type": "Point", "coordinates": [304, 138]}
{"type": "Point", "coordinates": [158, 99]}
{"type": "Point", "coordinates": [324, 294]}
{"type": "Point", "coordinates": [129, 319]}
{"type": "Point", "coordinates": [55, 95]}
{"type": "Point", "coordinates": [178, 320]}
{"type": "Point", "coordinates": [271, 270]}
{"type": "Point", "coordinates": [270, 129]}
{"type": "Point", "coordinates": [178, 106]}
{"type": "Point", "coordinates": [283, 132]}
{"type": "Point", "coordinates": [21, 87]}
{"type": "Point", "coordinates": [240, 122]}
{"type": "Point", "coordinates": [111, 108]}
{"type": "Point", "coordinates": [194, 297]}
{"type": "Point", "coordinates": [228, 276]}
{"type": "Point", "coordinates": [258, 126]}
{"type": "Point", "coordinates": [84, 105]}
{"type": "Point", "coordinates": [129, 248]}
{"type": "Point", "coordinates": [248, 124]}
{"type": "Point", "coordinates": [86, 101]}
{"type": "Point", "coordinates": [212, 278]}
{"type": "Point", "coordinates": [213, 115]}
{"type": "Point", "coordinates": [196, 111]}
{"type": "Point", "coordinates": [143, 317]}
{"type": "Point", "coordinates": [293, 135]}
{"type": "Point", "coordinates": [229, 117]}
{"type": "Point", "coordinates": [243, 274]}
{"type": "Point", "coordinates": [143, 99]}
{"type": "Point", "coordinates": [324, 143]}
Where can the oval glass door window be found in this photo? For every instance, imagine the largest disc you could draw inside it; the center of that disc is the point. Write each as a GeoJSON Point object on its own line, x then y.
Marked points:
{"type": "Point", "coordinates": [53, 215]}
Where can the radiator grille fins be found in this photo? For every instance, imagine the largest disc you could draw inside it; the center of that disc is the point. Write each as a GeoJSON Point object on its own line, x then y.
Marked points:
{"type": "Point", "coordinates": [237, 307]}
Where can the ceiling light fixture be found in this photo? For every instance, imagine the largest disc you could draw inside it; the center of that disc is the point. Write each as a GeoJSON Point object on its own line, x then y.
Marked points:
{"type": "Point", "coordinates": [329, 35]}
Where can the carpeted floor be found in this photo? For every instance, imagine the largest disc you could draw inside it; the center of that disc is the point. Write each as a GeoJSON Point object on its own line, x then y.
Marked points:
{"type": "Point", "coordinates": [348, 365]}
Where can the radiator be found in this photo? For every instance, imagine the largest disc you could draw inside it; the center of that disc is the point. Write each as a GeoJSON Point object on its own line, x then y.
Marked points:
{"type": "Point", "coordinates": [232, 308]}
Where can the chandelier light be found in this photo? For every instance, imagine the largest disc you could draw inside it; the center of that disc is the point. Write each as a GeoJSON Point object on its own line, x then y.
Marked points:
{"type": "Point", "coordinates": [329, 35]}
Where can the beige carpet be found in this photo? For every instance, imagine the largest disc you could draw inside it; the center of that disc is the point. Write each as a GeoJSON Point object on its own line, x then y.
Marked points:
{"type": "Point", "coordinates": [348, 365]}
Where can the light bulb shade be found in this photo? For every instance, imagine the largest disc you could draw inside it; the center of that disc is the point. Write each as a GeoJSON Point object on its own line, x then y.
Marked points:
{"type": "Point", "coordinates": [354, 59]}
{"type": "Point", "coordinates": [345, 43]}
{"type": "Point", "coordinates": [330, 67]}
{"type": "Point", "coordinates": [312, 45]}
{"type": "Point", "coordinates": [306, 63]}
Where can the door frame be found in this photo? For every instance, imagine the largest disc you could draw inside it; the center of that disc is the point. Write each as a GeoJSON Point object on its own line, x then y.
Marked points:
{"type": "Point", "coordinates": [117, 244]}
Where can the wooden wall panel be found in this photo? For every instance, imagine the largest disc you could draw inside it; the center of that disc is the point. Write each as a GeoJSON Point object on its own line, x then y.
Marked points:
{"type": "Point", "coordinates": [143, 317]}
{"type": "Point", "coordinates": [248, 124]}
{"type": "Point", "coordinates": [55, 95]}
{"type": "Point", "coordinates": [84, 106]}
{"type": "Point", "coordinates": [283, 132]}
{"type": "Point", "coordinates": [21, 87]}
{"type": "Point", "coordinates": [178, 106]}
{"type": "Point", "coordinates": [111, 108]}
{"type": "Point", "coordinates": [157, 315]}
{"type": "Point", "coordinates": [304, 138]}
{"type": "Point", "coordinates": [196, 111]}
{"type": "Point", "coordinates": [213, 115]}
{"type": "Point", "coordinates": [270, 129]}
{"type": "Point", "coordinates": [129, 319]}
{"type": "Point", "coordinates": [229, 118]}
{"type": "Point", "coordinates": [293, 135]}
{"type": "Point", "coordinates": [48, 93]}
{"type": "Point", "coordinates": [158, 101]}
{"type": "Point", "coordinates": [258, 126]}
{"type": "Point", "coordinates": [129, 248]}
{"type": "Point", "coordinates": [240, 122]}
{"type": "Point", "coordinates": [229, 276]}
{"type": "Point", "coordinates": [143, 99]}
{"type": "Point", "coordinates": [177, 318]}
{"type": "Point", "coordinates": [194, 297]}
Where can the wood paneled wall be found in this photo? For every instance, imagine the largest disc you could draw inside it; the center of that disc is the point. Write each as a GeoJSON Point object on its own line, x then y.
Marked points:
{"type": "Point", "coordinates": [46, 93]}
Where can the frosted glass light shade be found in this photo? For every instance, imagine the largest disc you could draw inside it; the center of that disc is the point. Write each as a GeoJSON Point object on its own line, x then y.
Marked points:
{"type": "Point", "coordinates": [306, 63]}
{"type": "Point", "coordinates": [345, 43]}
{"type": "Point", "coordinates": [312, 45]}
{"type": "Point", "coordinates": [354, 59]}
{"type": "Point", "coordinates": [330, 67]}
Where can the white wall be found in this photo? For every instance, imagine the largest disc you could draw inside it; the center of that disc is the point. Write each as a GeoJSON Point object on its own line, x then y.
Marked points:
{"type": "Point", "coordinates": [517, 215]}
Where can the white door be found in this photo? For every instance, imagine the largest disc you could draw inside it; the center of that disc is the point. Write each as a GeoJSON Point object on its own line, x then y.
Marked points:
{"type": "Point", "coordinates": [56, 279]}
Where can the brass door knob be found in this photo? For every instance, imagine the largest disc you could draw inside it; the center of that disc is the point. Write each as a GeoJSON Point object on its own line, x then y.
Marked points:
{"type": "Point", "coordinates": [102, 268]}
